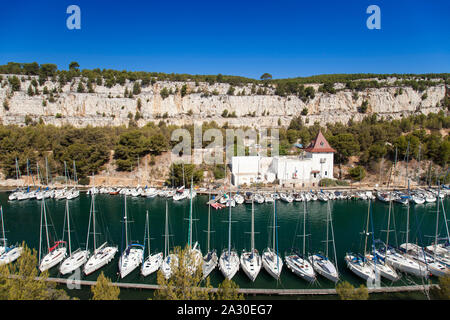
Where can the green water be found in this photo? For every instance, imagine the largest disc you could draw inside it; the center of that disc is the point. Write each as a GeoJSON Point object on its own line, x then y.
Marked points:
{"type": "Point", "coordinates": [22, 222]}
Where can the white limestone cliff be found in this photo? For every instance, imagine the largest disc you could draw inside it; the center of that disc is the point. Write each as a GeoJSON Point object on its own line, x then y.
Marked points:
{"type": "Point", "coordinates": [107, 106]}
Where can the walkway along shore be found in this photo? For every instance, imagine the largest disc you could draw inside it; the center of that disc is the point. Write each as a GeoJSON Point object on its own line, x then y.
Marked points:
{"type": "Point", "coordinates": [253, 291]}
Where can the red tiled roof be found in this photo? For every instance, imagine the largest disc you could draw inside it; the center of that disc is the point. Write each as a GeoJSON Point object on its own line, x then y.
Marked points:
{"type": "Point", "coordinates": [320, 144]}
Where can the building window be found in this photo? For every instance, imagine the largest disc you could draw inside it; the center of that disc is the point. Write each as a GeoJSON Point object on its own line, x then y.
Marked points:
{"type": "Point", "coordinates": [314, 175]}
{"type": "Point", "coordinates": [325, 173]}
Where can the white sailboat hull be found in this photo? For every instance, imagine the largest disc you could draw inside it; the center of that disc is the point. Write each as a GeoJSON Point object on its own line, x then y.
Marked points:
{"type": "Point", "coordinates": [272, 263]}
{"type": "Point", "coordinates": [209, 263]}
{"type": "Point", "coordinates": [324, 267]}
{"type": "Point", "coordinates": [101, 257]}
{"type": "Point", "coordinates": [229, 264]}
{"type": "Point", "coordinates": [169, 263]}
{"type": "Point", "coordinates": [130, 260]}
{"type": "Point", "coordinates": [364, 271]}
{"type": "Point", "coordinates": [251, 264]}
{"type": "Point", "coordinates": [11, 255]}
{"type": "Point", "coordinates": [75, 261]}
{"type": "Point", "coordinates": [53, 258]}
{"type": "Point", "coordinates": [152, 264]}
{"type": "Point", "coordinates": [301, 267]}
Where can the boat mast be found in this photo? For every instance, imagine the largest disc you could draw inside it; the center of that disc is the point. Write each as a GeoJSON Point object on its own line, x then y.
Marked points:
{"type": "Point", "coordinates": [46, 227]}
{"type": "Point", "coordinates": [332, 236]}
{"type": "Point", "coordinates": [65, 172]}
{"type": "Point", "coordinates": [407, 224]}
{"type": "Point", "coordinates": [3, 227]}
{"type": "Point", "coordinates": [75, 179]}
{"type": "Point", "coordinates": [89, 227]}
{"type": "Point", "coordinates": [273, 232]}
{"type": "Point", "coordinates": [46, 170]}
{"type": "Point", "coordinates": [40, 231]}
{"type": "Point", "coordinates": [437, 221]}
{"type": "Point", "coordinates": [190, 217]}
{"type": "Point", "coordinates": [276, 232]}
{"type": "Point", "coordinates": [229, 224]}
{"type": "Point", "coordinates": [166, 235]}
{"type": "Point", "coordinates": [326, 243]}
{"type": "Point", "coordinates": [253, 229]}
{"type": "Point", "coordinates": [93, 219]}
{"type": "Point", "coordinates": [125, 221]}
{"type": "Point", "coordinates": [209, 222]}
{"type": "Point", "coordinates": [304, 227]}
{"type": "Point", "coordinates": [367, 230]}
{"type": "Point", "coordinates": [388, 225]}
{"type": "Point", "coordinates": [68, 226]}
{"type": "Point", "coordinates": [148, 232]}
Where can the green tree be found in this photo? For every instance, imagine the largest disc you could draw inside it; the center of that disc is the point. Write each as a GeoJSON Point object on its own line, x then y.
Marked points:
{"type": "Point", "coordinates": [364, 106]}
{"type": "Point", "coordinates": [183, 90]}
{"type": "Point", "coordinates": [347, 292]}
{"type": "Point", "coordinates": [228, 290]}
{"type": "Point", "coordinates": [357, 173]}
{"type": "Point", "coordinates": [14, 82]}
{"type": "Point", "coordinates": [266, 76]}
{"type": "Point", "coordinates": [443, 291]}
{"type": "Point", "coordinates": [18, 280]}
{"type": "Point", "coordinates": [345, 145]}
{"type": "Point", "coordinates": [183, 284]}
{"type": "Point", "coordinates": [164, 93]}
{"type": "Point", "coordinates": [136, 88]}
{"type": "Point", "coordinates": [104, 290]}
{"type": "Point", "coordinates": [74, 66]}
{"type": "Point", "coordinates": [80, 88]}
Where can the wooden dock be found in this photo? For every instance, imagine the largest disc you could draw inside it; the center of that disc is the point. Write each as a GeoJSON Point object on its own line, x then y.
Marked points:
{"type": "Point", "coordinates": [251, 291]}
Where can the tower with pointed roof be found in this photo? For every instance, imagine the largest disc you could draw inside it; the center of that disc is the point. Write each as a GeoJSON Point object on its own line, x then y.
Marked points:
{"type": "Point", "coordinates": [322, 156]}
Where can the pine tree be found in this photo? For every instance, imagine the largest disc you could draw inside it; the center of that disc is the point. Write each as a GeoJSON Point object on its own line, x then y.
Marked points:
{"type": "Point", "coordinates": [183, 285]}
{"type": "Point", "coordinates": [18, 280]}
{"type": "Point", "coordinates": [228, 290]}
{"type": "Point", "coordinates": [347, 292]}
{"type": "Point", "coordinates": [104, 290]}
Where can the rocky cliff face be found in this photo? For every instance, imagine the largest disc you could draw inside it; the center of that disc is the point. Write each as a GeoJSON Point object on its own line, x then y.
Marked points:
{"type": "Point", "coordinates": [108, 106]}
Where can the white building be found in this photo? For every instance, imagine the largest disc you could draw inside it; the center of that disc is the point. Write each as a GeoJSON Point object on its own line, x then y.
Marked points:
{"type": "Point", "coordinates": [300, 171]}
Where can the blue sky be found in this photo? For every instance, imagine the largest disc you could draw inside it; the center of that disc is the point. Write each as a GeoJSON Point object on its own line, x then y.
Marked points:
{"type": "Point", "coordinates": [286, 38]}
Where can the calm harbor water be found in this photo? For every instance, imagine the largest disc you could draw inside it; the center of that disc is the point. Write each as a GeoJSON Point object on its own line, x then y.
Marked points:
{"type": "Point", "coordinates": [22, 223]}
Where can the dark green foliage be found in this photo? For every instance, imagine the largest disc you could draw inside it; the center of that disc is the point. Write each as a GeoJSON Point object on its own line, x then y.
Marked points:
{"type": "Point", "coordinates": [74, 66]}
{"type": "Point", "coordinates": [183, 90]}
{"type": "Point", "coordinates": [190, 171]}
{"type": "Point", "coordinates": [357, 173]}
{"type": "Point", "coordinates": [266, 76]}
{"type": "Point", "coordinates": [14, 82]}
{"type": "Point", "coordinates": [136, 88]}
{"type": "Point", "coordinates": [364, 106]}
{"type": "Point", "coordinates": [164, 93]}
{"type": "Point", "coordinates": [80, 88]}
{"type": "Point", "coordinates": [137, 143]}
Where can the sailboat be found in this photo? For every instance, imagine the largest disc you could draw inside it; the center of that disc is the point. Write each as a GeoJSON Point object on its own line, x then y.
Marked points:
{"type": "Point", "coordinates": [229, 259]}
{"type": "Point", "coordinates": [418, 253]}
{"type": "Point", "coordinates": [153, 261]}
{"type": "Point", "coordinates": [394, 258]}
{"type": "Point", "coordinates": [194, 258]}
{"type": "Point", "coordinates": [377, 263]}
{"type": "Point", "coordinates": [251, 260]}
{"type": "Point", "coordinates": [54, 254]}
{"type": "Point", "coordinates": [104, 253]}
{"type": "Point", "coordinates": [270, 259]}
{"type": "Point", "coordinates": [8, 254]}
{"type": "Point", "coordinates": [210, 259]}
{"type": "Point", "coordinates": [132, 256]}
{"type": "Point", "coordinates": [358, 263]}
{"type": "Point", "coordinates": [170, 261]}
{"type": "Point", "coordinates": [298, 263]}
{"type": "Point", "coordinates": [321, 262]}
{"type": "Point", "coordinates": [77, 258]}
